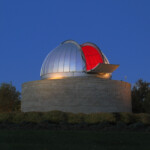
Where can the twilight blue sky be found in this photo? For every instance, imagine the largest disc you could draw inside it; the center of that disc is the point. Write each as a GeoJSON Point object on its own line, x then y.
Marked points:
{"type": "Point", "coordinates": [30, 29]}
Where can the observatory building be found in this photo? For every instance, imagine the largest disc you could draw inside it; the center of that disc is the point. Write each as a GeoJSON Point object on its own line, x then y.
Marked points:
{"type": "Point", "coordinates": [76, 78]}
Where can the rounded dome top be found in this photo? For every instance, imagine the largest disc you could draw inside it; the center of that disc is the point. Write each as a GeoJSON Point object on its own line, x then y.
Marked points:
{"type": "Point", "coordinates": [71, 59]}
{"type": "Point", "coordinates": [66, 58]}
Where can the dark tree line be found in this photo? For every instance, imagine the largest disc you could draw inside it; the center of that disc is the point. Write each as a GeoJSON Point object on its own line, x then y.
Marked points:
{"type": "Point", "coordinates": [141, 97]}
{"type": "Point", "coordinates": [10, 98]}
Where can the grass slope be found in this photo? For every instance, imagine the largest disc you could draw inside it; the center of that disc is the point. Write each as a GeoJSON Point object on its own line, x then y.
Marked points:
{"type": "Point", "coordinates": [72, 140]}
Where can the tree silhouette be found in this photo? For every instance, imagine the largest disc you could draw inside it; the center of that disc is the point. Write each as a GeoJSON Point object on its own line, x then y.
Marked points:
{"type": "Point", "coordinates": [141, 97]}
{"type": "Point", "coordinates": [9, 98]}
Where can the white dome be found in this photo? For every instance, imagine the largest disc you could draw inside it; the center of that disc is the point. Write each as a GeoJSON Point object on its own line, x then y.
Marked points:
{"type": "Point", "coordinates": [66, 59]}
{"type": "Point", "coordinates": [70, 59]}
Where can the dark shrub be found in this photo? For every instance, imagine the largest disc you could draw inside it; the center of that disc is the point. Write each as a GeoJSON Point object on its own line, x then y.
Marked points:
{"type": "Point", "coordinates": [55, 116]}
{"type": "Point", "coordinates": [76, 118]}
{"type": "Point", "coordinates": [128, 118]}
{"type": "Point", "coordinates": [95, 118]}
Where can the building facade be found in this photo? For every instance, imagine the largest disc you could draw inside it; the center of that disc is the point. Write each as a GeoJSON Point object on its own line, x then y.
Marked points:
{"type": "Point", "coordinates": [76, 78]}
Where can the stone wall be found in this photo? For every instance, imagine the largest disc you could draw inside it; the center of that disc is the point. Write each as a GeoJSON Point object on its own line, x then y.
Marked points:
{"type": "Point", "coordinates": [77, 94]}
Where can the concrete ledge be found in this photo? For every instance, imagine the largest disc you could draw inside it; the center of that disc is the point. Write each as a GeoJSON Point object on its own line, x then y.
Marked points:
{"type": "Point", "coordinates": [77, 94]}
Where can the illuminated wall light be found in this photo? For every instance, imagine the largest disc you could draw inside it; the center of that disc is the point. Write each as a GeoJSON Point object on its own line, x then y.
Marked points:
{"type": "Point", "coordinates": [104, 75]}
{"type": "Point", "coordinates": [57, 76]}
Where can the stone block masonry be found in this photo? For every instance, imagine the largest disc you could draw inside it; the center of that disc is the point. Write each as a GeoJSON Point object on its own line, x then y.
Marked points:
{"type": "Point", "coordinates": [77, 95]}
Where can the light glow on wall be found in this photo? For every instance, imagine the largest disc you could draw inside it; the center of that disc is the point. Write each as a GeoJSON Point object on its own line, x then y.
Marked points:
{"type": "Point", "coordinates": [56, 76]}
{"type": "Point", "coordinates": [104, 75]}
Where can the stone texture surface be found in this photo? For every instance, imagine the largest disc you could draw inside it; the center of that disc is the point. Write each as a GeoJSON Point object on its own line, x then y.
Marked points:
{"type": "Point", "coordinates": [77, 94]}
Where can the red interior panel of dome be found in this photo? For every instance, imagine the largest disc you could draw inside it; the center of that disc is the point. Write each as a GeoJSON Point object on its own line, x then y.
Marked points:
{"type": "Point", "coordinates": [92, 57]}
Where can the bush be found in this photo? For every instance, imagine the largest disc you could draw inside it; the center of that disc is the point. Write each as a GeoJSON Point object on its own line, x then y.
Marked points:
{"type": "Point", "coordinates": [33, 117]}
{"type": "Point", "coordinates": [17, 117]}
{"type": "Point", "coordinates": [95, 118]}
{"type": "Point", "coordinates": [76, 118]}
{"type": "Point", "coordinates": [55, 116]}
{"type": "Point", "coordinates": [128, 118]}
{"type": "Point", "coordinates": [143, 118]}
{"type": "Point", "coordinates": [5, 117]}
{"type": "Point", "coordinates": [70, 118]}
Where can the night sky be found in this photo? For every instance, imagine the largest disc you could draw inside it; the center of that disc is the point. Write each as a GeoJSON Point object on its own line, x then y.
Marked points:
{"type": "Point", "coordinates": [30, 29]}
